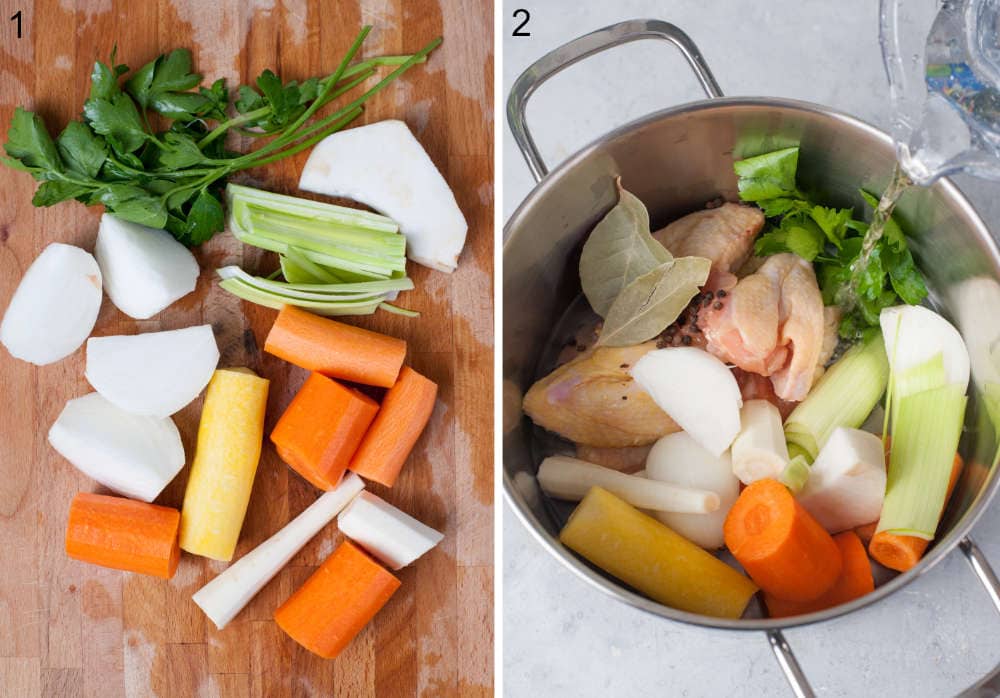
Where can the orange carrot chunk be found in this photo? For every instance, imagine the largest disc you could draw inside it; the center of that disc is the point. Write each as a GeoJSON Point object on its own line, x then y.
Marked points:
{"type": "Point", "coordinates": [123, 534]}
{"type": "Point", "coordinates": [780, 545]}
{"type": "Point", "coordinates": [855, 581]}
{"type": "Point", "coordinates": [322, 428]}
{"type": "Point", "coordinates": [866, 532]}
{"type": "Point", "coordinates": [401, 419]}
{"type": "Point", "coordinates": [336, 602]}
{"type": "Point", "coordinates": [335, 349]}
{"type": "Point", "coordinates": [900, 553]}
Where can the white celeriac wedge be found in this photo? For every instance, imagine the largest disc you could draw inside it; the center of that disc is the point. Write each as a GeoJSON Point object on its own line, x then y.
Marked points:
{"type": "Point", "coordinates": [679, 460]}
{"type": "Point", "coordinates": [131, 454]}
{"type": "Point", "coordinates": [144, 269]}
{"type": "Point", "coordinates": [54, 307]}
{"type": "Point", "coordinates": [847, 480]}
{"type": "Point", "coordinates": [226, 595]}
{"type": "Point", "coordinates": [759, 451]}
{"type": "Point", "coordinates": [568, 478]}
{"type": "Point", "coordinates": [156, 373]}
{"type": "Point", "coordinates": [384, 166]}
{"type": "Point", "coordinates": [696, 390]}
{"type": "Point", "coordinates": [393, 536]}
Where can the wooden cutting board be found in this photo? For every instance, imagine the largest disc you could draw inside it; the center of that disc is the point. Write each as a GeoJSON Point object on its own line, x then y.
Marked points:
{"type": "Point", "coordinates": [71, 629]}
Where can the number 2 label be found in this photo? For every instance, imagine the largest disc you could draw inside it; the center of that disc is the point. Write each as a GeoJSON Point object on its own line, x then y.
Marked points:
{"type": "Point", "coordinates": [524, 16]}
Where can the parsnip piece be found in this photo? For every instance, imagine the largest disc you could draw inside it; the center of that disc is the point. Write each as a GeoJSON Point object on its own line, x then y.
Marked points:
{"type": "Point", "coordinates": [226, 595]}
{"type": "Point", "coordinates": [759, 450]}
{"type": "Point", "coordinates": [563, 477]}
{"type": "Point", "coordinates": [394, 537]}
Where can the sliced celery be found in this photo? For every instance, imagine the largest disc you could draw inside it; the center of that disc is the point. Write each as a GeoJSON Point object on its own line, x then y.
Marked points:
{"type": "Point", "coordinates": [335, 260]}
{"type": "Point", "coordinates": [796, 474]}
{"type": "Point", "coordinates": [319, 291]}
{"type": "Point", "coordinates": [337, 237]}
{"type": "Point", "coordinates": [294, 272]}
{"type": "Point", "coordinates": [396, 310]}
{"type": "Point", "coordinates": [319, 274]}
{"type": "Point", "coordinates": [271, 300]}
{"type": "Point", "coordinates": [843, 397]}
{"type": "Point", "coordinates": [309, 208]}
{"type": "Point", "coordinates": [926, 429]}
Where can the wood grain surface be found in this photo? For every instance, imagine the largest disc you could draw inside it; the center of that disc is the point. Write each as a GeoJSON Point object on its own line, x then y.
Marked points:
{"type": "Point", "coordinates": [71, 629]}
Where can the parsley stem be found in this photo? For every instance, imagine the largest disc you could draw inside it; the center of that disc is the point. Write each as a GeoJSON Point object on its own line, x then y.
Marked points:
{"type": "Point", "coordinates": [364, 70]}
{"type": "Point", "coordinates": [323, 123]}
{"type": "Point", "coordinates": [299, 147]}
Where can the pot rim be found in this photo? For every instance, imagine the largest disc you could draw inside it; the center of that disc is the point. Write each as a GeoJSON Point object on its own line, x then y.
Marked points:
{"type": "Point", "coordinates": [616, 589]}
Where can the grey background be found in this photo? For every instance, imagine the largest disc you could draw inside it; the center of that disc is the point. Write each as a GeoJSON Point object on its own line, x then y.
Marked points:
{"type": "Point", "coordinates": [562, 638]}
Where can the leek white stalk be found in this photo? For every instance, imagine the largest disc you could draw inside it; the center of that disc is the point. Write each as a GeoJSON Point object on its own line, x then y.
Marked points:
{"type": "Point", "coordinates": [226, 595]}
{"type": "Point", "coordinates": [759, 450]}
{"type": "Point", "coordinates": [930, 374]}
{"type": "Point", "coordinates": [843, 397]}
{"type": "Point", "coordinates": [568, 478]}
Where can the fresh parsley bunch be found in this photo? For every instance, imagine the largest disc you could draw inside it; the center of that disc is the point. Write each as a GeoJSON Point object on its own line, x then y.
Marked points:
{"type": "Point", "coordinates": [831, 239]}
{"type": "Point", "coordinates": [172, 175]}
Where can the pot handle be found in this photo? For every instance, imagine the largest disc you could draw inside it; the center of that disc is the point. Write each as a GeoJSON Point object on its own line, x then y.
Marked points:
{"type": "Point", "coordinates": [987, 686]}
{"type": "Point", "coordinates": [580, 48]}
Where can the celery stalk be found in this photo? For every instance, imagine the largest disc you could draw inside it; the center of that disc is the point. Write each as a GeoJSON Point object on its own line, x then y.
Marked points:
{"type": "Point", "coordinates": [796, 474]}
{"type": "Point", "coordinates": [926, 428]}
{"type": "Point", "coordinates": [269, 300]}
{"type": "Point", "coordinates": [336, 260]}
{"type": "Point", "coordinates": [843, 397]}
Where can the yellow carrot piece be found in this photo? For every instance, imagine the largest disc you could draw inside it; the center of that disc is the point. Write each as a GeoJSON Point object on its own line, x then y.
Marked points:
{"type": "Point", "coordinates": [225, 462]}
{"type": "Point", "coordinates": [645, 554]}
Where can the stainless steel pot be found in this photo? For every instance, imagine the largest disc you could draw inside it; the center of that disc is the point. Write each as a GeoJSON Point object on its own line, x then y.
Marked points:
{"type": "Point", "coordinates": [675, 160]}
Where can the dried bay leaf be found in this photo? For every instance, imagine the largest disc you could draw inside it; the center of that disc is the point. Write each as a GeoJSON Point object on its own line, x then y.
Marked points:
{"type": "Point", "coordinates": [654, 300]}
{"type": "Point", "coordinates": [620, 249]}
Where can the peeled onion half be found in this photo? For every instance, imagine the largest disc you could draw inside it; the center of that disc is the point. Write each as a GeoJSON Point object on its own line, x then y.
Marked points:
{"type": "Point", "coordinates": [156, 373]}
{"type": "Point", "coordinates": [133, 455]}
{"type": "Point", "coordinates": [55, 306]}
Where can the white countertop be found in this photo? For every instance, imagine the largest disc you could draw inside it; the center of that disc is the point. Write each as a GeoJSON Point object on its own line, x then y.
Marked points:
{"type": "Point", "coordinates": [562, 638]}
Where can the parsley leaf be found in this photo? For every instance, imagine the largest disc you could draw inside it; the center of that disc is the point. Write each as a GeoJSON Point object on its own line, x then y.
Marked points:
{"type": "Point", "coordinates": [82, 151]}
{"type": "Point", "coordinates": [174, 178]}
{"type": "Point", "coordinates": [29, 142]}
{"type": "Point", "coordinates": [768, 176]}
{"type": "Point", "coordinates": [162, 84]}
{"type": "Point", "coordinates": [118, 120]}
{"type": "Point", "coordinates": [831, 238]}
